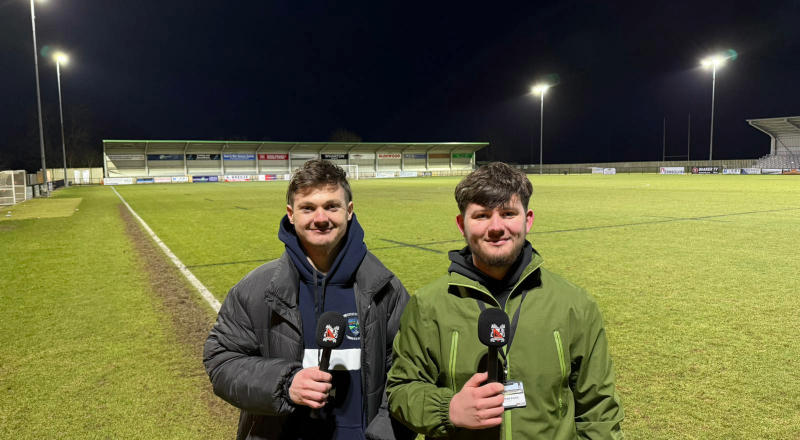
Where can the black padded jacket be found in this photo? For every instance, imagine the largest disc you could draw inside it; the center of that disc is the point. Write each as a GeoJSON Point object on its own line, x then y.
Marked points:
{"type": "Point", "coordinates": [256, 345]}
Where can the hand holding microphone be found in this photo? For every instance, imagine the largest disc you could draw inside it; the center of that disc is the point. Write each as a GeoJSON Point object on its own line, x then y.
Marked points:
{"type": "Point", "coordinates": [479, 406]}
{"type": "Point", "coordinates": [310, 386]}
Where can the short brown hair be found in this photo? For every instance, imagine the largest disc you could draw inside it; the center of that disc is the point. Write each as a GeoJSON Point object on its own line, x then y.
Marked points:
{"type": "Point", "coordinates": [492, 185]}
{"type": "Point", "coordinates": [318, 173]}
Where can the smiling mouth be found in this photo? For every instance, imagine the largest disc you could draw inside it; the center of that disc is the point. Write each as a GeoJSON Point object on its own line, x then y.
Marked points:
{"type": "Point", "coordinates": [322, 231]}
{"type": "Point", "coordinates": [498, 242]}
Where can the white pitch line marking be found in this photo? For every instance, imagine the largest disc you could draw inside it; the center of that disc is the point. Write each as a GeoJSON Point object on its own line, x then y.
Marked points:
{"type": "Point", "coordinates": [204, 292]}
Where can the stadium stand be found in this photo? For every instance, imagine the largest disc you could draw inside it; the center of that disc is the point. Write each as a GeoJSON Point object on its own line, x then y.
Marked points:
{"type": "Point", "coordinates": [784, 136]}
{"type": "Point", "coordinates": [276, 160]}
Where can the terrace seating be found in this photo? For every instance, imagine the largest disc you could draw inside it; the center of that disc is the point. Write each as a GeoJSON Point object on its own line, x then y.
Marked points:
{"type": "Point", "coordinates": [777, 161]}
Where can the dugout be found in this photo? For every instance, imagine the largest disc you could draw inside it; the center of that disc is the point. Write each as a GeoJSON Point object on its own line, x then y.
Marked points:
{"type": "Point", "coordinates": [160, 158]}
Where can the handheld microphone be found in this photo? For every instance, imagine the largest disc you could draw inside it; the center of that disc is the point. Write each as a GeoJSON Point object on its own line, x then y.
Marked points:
{"type": "Point", "coordinates": [492, 326]}
{"type": "Point", "coordinates": [330, 334]}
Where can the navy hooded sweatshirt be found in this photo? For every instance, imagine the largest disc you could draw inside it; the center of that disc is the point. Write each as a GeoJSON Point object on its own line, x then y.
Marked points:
{"type": "Point", "coordinates": [342, 418]}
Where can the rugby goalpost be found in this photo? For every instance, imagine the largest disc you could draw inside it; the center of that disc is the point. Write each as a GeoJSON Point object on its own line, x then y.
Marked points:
{"type": "Point", "coordinates": [351, 170]}
{"type": "Point", "coordinates": [12, 187]}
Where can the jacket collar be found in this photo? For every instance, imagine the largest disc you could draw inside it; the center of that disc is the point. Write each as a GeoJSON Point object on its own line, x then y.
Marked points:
{"type": "Point", "coordinates": [371, 277]}
{"type": "Point", "coordinates": [469, 287]}
{"type": "Point", "coordinates": [284, 284]}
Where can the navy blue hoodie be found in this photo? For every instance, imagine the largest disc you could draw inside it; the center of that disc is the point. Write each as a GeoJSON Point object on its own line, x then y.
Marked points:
{"type": "Point", "coordinates": [342, 418]}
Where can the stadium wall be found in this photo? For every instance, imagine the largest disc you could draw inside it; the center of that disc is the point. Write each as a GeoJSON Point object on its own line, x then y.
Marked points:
{"type": "Point", "coordinates": [634, 167]}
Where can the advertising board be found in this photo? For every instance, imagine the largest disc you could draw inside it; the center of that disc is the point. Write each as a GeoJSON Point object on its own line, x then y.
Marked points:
{"type": "Point", "coordinates": [732, 171]}
{"type": "Point", "coordinates": [202, 156]}
{"type": "Point", "coordinates": [362, 156]}
{"type": "Point", "coordinates": [237, 178]}
{"type": "Point", "coordinates": [384, 175]}
{"type": "Point", "coordinates": [118, 181]}
{"type": "Point", "coordinates": [672, 170]}
{"type": "Point", "coordinates": [705, 170]}
{"type": "Point", "coordinates": [239, 156]}
{"type": "Point", "coordinates": [152, 157]}
{"type": "Point", "coordinates": [334, 156]}
{"type": "Point", "coordinates": [273, 157]}
{"type": "Point", "coordinates": [125, 157]}
{"type": "Point", "coordinates": [201, 179]}
{"type": "Point", "coordinates": [304, 156]}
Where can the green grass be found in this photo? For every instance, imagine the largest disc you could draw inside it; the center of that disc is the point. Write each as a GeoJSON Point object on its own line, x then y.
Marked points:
{"type": "Point", "coordinates": [87, 353]}
{"type": "Point", "coordinates": [696, 277]}
{"type": "Point", "coordinates": [40, 208]}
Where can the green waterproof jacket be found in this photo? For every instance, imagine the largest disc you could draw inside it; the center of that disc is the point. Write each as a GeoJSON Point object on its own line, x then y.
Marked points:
{"type": "Point", "coordinates": [559, 352]}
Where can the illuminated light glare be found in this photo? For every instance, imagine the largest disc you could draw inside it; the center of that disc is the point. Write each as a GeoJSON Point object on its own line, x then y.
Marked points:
{"type": "Point", "coordinates": [715, 61]}
{"type": "Point", "coordinates": [540, 89]}
{"type": "Point", "coordinates": [61, 57]}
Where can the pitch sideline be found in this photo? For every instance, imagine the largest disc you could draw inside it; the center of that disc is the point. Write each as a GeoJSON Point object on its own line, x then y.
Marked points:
{"type": "Point", "coordinates": [204, 292]}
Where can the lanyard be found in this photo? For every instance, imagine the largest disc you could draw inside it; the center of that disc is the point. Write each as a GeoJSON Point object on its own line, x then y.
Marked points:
{"type": "Point", "coordinates": [511, 331]}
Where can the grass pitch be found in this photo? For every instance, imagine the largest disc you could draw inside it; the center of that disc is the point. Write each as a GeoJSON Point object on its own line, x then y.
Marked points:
{"type": "Point", "coordinates": [696, 277]}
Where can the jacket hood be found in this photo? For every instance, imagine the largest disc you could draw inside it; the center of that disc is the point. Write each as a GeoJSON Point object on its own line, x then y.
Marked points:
{"type": "Point", "coordinates": [344, 267]}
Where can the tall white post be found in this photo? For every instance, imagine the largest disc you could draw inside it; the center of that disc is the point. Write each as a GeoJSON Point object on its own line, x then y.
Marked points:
{"type": "Point", "coordinates": [713, 89]}
{"type": "Point", "coordinates": [61, 115]}
{"type": "Point", "coordinates": [541, 134]}
{"type": "Point", "coordinates": [39, 99]}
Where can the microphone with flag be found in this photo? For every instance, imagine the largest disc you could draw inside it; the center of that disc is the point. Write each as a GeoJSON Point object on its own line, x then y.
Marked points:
{"type": "Point", "coordinates": [492, 327]}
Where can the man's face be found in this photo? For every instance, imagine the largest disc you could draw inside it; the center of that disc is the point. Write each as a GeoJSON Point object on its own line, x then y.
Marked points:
{"type": "Point", "coordinates": [495, 236]}
{"type": "Point", "coordinates": [320, 217]}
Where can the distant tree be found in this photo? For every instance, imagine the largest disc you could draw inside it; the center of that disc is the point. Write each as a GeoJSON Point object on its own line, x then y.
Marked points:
{"type": "Point", "coordinates": [5, 161]}
{"type": "Point", "coordinates": [342, 135]}
{"type": "Point", "coordinates": [82, 148]}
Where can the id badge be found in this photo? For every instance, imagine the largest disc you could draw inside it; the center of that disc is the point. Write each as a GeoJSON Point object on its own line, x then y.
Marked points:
{"type": "Point", "coordinates": [513, 395]}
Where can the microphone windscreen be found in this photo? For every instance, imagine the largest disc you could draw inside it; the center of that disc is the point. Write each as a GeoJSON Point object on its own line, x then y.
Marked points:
{"type": "Point", "coordinates": [330, 330]}
{"type": "Point", "coordinates": [492, 326]}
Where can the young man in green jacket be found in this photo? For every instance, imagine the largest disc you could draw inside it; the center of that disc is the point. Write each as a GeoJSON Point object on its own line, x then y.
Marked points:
{"type": "Point", "coordinates": [557, 350]}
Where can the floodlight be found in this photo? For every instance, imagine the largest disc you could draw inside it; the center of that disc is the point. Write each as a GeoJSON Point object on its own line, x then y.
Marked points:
{"type": "Point", "coordinates": [715, 61]}
{"type": "Point", "coordinates": [540, 89]}
{"type": "Point", "coordinates": [61, 57]}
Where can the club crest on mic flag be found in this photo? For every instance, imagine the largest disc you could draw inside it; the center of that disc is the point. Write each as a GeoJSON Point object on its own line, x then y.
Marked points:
{"type": "Point", "coordinates": [331, 333]}
{"type": "Point", "coordinates": [498, 333]}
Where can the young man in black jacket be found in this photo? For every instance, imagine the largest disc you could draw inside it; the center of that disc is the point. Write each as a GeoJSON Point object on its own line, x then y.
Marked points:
{"type": "Point", "coordinates": [262, 355]}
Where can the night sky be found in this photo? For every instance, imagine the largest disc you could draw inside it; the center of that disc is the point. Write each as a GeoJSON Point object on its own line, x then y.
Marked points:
{"type": "Point", "coordinates": [411, 72]}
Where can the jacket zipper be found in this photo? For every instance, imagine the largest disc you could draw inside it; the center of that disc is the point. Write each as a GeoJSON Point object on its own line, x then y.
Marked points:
{"type": "Point", "coordinates": [453, 356]}
{"type": "Point", "coordinates": [562, 363]}
{"type": "Point", "coordinates": [364, 378]}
